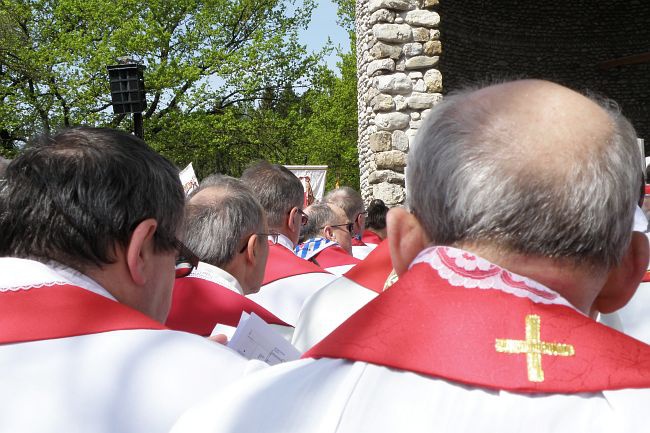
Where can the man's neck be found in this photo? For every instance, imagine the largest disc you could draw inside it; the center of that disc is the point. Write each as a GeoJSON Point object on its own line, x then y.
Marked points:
{"type": "Point", "coordinates": [577, 284]}
{"type": "Point", "coordinates": [225, 276]}
{"type": "Point", "coordinates": [285, 242]}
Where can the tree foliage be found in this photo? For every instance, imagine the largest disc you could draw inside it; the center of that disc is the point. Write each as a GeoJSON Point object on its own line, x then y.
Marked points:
{"type": "Point", "coordinates": [330, 134]}
{"type": "Point", "coordinates": [227, 80]}
{"type": "Point", "coordinates": [201, 56]}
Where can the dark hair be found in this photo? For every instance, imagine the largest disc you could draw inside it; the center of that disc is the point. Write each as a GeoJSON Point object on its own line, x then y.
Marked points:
{"type": "Point", "coordinates": [73, 196]}
{"type": "Point", "coordinates": [376, 218]}
{"type": "Point", "coordinates": [277, 189]}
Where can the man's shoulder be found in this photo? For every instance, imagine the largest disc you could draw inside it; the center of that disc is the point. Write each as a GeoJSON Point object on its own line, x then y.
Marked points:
{"type": "Point", "coordinates": [148, 376]}
{"type": "Point", "coordinates": [283, 263]}
{"type": "Point", "coordinates": [404, 402]}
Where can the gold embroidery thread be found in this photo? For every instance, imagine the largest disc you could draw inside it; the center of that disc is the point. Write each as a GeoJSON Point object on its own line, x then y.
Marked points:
{"type": "Point", "coordinates": [534, 348]}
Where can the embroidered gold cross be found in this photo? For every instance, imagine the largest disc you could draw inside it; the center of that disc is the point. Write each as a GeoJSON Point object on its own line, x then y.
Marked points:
{"type": "Point", "coordinates": [534, 348]}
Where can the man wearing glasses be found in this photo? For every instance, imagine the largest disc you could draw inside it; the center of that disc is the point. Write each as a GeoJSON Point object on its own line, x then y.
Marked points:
{"type": "Point", "coordinates": [328, 239]}
{"type": "Point", "coordinates": [288, 279]}
{"type": "Point", "coordinates": [352, 204]}
{"type": "Point", "coordinates": [226, 228]}
{"type": "Point", "coordinates": [88, 244]}
{"type": "Point", "coordinates": [491, 323]}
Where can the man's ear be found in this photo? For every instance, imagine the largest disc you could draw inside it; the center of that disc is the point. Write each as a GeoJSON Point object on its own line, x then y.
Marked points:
{"type": "Point", "coordinates": [252, 249]}
{"type": "Point", "coordinates": [328, 232]}
{"type": "Point", "coordinates": [406, 238]}
{"type": "Point", "coordinates": [291, 223]}
{"type": "Point", "coordinates": [139, 250]}
{"type": "Point", "coordinates": [624, 279]}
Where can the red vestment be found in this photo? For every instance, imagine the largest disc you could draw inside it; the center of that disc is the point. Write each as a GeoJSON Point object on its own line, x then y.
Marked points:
{"type": "Point", "coordinates": [460, 318]}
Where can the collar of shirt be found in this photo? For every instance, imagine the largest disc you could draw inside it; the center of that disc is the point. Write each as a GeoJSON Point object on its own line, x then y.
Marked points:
{"type": "Point", "coordinates": [217, 275]}
{"type": "Point", "coordinates": [464, 269]}
{"type": "Point", "coordinates": [78, 279]}
{"type": "Point", "coordinates": [26, 274]}
{"type": "Point", "coordinates": [285, 242]}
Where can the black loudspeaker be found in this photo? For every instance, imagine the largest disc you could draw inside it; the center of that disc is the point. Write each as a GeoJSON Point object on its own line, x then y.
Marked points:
{"type": "Point", "coordinates": [127, 88]}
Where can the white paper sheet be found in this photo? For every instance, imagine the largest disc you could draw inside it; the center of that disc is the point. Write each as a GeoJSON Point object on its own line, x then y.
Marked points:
{"type": "Point", "coordinates": [255, 339]}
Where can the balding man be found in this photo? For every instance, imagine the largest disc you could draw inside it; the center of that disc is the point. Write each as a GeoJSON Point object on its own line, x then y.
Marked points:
{"type": "Point", "coordinates": [328, 239]}
{"type": "Point", "coordinates": [490, 326]}
{"type": "Point", "coordinates": [351, 202]}
{"type": "Point", "coordinates": [226, 228]}
{"type": "Point", "coordinates": [288, 279]}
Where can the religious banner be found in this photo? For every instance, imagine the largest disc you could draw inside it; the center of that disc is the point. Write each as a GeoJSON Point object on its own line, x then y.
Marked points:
{"type": "Point", "coordinates": [313, 180]}
{"type": "Point", "coordinates": [188, 179]}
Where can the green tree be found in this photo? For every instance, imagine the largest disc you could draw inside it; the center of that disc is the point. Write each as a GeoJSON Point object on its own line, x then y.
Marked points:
{"type": "Point", "coordinates": [208, 63]}
{"type": "Point", "coordinates": [330, 127]}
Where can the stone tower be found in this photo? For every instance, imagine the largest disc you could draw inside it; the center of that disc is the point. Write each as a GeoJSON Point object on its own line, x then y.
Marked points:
{"type": "Point", "coordinates": [398, 48]}
{"type": "Point", "coordinates": [602, 47]}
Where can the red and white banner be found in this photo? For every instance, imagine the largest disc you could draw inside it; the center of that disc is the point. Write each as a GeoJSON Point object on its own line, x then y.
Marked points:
{"type": "Point", "coordinates": [313, 180]}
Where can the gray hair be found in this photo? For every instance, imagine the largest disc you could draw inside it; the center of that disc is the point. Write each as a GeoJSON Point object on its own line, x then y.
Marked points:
{"type": "Point", "coordinates": [320, 215]}
{"type": "Point", "coordinates": [277, 189]}
{"type": "Point", "coordinates": [347, 199]}
{"type": "Point", "coordinates": [465, 186]}
{"type": "Point", "coordinates": [215, 227]}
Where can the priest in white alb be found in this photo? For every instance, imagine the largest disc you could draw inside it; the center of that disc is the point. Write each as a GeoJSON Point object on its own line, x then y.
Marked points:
{"type": "Point", "coordinates": [502, 270]}
{"type": "Point", "coordinates": [226, 228]}
{"type": "Point", "coordinates": [88, 243]}
{"type": "Point", "coordinates": [327, 239]}
{"type": "Point", "coordinates": [288, 279]}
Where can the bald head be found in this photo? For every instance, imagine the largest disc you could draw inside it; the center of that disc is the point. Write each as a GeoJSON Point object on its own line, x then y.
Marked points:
{"type": "Point", "coordinates": [219, 216]}
{"type": "Point", "coordinates": [527, 166]}
{"type": "Point", "coordinates": [538, 122]}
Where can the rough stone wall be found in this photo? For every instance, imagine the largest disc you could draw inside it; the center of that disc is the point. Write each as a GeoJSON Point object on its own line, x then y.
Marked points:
{"type": "Point", "coordinates": [398, 48]}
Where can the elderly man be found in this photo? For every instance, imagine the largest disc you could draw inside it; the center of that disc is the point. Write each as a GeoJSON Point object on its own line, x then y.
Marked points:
{"type": "Point", "coordinates": [328, 239]}
{"type": "Point", "coordinates": [288, 279]}
{"type": "Point", "coordinates": [352, 204]}
{"type": "Point", "coordinates": [88, 243]}
{"type": "Point", "coordinates": [489, 327]}
{"type": "Point", "coordinates": [226, 228]}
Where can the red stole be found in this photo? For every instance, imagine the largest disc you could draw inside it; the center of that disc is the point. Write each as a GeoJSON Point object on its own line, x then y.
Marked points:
{"type": "Point", "coordinates": [333, 256]}
{"type": "Point", "coordinates": [283, 263]}
{"type": "Point", "coordinates": [370, 237]}
{"type": "Point", "coordinates": [65, 310]}
{"type": "Point", "coordinates": [487, 338]}
{"type": "Point", "coordinates": [373, 271]}
{"type": "Point", "coordinates": [357, 242]}
{"type": "Point", "coordinates": [198, 305]}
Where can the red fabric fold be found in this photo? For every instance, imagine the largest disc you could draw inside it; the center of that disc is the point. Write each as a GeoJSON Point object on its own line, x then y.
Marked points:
{"type": "Point", "coordinates": [44, 313]}
{"type": "Point", "coordinates": [370, 237]}
{"type": "Point", "coordinates": [333, 256]}
{"type": "Point", "coordinates": [373, 271]}
{"type": "Point", "coordinates": [198, 305]}
{"type": "Point", "coordinates": [283, 263]}
{"type": "Point", "coordinates": [425, 325]}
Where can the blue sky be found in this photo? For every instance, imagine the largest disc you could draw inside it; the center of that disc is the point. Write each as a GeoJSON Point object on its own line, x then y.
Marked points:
{"type": "Point", "coordinates": [323, 24]}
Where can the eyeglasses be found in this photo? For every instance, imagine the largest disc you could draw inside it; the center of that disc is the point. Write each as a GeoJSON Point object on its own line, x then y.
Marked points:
{"type": "Point", "coordinates": [303, 217]}
{"type": "Point", "coordinates": [186, 260]}
{"type": "Point", "coordinates": [271, 237]}
{"type": "Point", "coordinates": [348, 226]}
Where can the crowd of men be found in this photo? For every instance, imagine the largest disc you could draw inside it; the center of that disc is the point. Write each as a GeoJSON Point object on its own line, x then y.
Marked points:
{"type": "Point", "coordinates": [474, 308]}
